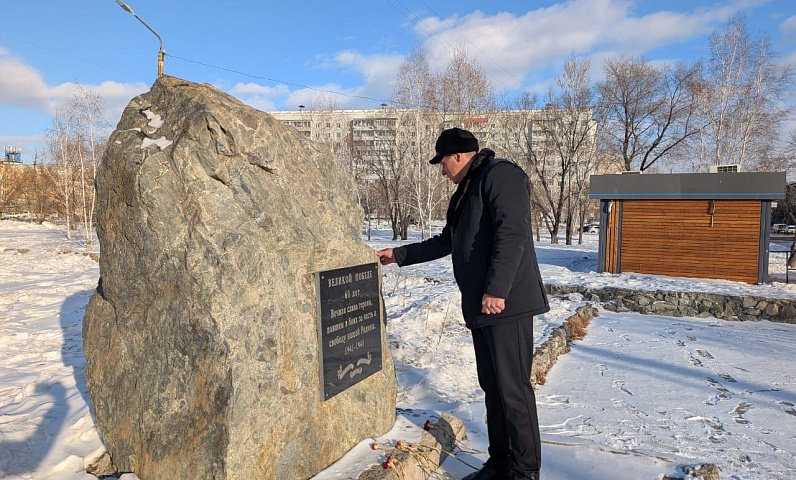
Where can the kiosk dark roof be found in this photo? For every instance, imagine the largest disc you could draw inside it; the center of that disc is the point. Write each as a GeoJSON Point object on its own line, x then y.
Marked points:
{"type": "Point", "coordinates": [690, 186]}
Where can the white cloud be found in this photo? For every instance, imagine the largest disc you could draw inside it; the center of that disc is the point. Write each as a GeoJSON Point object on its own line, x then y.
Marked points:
{"type": "Point", "coordinates": [261, 97]}
{"type": "Point", "coordinates": [115, 96]}
{"type": "Point", "coordinates": [377, 71]}
{"type": "Point", "coordinates": [788, 27]}
{"type": "Point", "coordinates": [22, 86]}
{"type": "Point", "coordinates": [375, 68]}
{"type": "Point", "coordinates": [507, 46]}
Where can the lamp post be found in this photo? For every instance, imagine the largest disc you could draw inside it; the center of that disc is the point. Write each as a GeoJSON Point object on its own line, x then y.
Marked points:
{"type": "Point", "coordinates": [161, 53]}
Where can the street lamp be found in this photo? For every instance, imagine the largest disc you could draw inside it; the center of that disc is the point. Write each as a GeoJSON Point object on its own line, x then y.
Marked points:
{"type": "Point", "coordinates": [161, 53]}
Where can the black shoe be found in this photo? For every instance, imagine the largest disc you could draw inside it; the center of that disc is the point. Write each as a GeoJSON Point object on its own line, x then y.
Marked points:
{"type": "Point", "coordinates": [487, 472]}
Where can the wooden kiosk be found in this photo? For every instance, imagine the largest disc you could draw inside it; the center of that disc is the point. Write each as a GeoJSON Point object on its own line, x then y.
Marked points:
{"type": "Point", "coordinates": [702, 225]}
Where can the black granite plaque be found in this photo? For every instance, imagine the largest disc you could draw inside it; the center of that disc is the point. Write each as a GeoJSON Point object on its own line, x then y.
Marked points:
{"type": "Point", "coordinates": [349, 326]}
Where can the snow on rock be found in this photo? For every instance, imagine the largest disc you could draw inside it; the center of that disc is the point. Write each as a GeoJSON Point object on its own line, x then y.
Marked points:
{"type": "Point", "coordinates": [161, 142]}
{"type": "Point", "coordinates": [155, 121]}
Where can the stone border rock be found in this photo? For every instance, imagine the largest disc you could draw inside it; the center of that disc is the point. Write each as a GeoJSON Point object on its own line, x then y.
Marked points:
{"type": "Point", "coordinates": [557, 344]}
{"type": "Point", "coordinates": [418, 461]}
{"type": "Point", "coordinates": [685, 304]}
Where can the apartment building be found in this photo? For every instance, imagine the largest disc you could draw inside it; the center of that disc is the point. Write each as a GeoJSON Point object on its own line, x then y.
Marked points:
{"type": "Point", "coordinates": [371, 133]}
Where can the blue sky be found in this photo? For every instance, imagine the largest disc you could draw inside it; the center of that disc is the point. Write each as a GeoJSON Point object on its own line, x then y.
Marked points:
{"type": "Point", "coordinates": [268, 53]}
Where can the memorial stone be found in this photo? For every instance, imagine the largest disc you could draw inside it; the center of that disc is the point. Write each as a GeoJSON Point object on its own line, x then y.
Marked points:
{"type": "Point", "coordinates": [202, 341]}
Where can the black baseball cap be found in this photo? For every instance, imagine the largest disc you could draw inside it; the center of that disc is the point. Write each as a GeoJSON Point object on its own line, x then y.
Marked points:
{"type": "Point", "coordinates": [454, 140]}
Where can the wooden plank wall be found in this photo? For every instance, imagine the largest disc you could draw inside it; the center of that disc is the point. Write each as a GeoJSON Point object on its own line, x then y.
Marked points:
{"type": "Point", "coordinates": [691, 238]}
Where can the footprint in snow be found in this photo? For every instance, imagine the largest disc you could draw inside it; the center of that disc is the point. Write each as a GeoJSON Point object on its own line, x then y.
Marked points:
{"type": "Point", "coordinates": [556, 399]}
{"type": "Point", "coordinates": [694, 361]}
{"type": "Point", "coordinates": [787, 407]}
{"type": "Point", "coordinates": [723, 394]}
{"type": "Point", "coordinates": [715, 428]}
{"type": "Point", "coordinates": [630, 408]}
{"type": "Point", "coordinates": [620, 384]}
{"type": "Point", "coordinates": [738, 412]}
{"type": "Point", "coordinates": [704, 354]}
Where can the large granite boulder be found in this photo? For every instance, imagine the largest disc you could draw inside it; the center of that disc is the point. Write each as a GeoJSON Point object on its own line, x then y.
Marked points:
{"type": "Point", "coordinates": [201, 341]}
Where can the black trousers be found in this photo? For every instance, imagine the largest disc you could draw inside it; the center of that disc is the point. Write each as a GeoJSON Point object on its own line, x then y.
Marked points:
{"type": "Point", "coordinates": [503, 356]}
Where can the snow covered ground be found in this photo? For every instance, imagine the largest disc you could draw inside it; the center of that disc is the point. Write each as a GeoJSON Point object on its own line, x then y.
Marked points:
{"type": "Point", "coordinates": [638, 398]}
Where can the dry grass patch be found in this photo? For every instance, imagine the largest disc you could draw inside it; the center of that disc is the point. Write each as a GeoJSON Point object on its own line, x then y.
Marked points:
{"type": "Point", "coordinates": [539, 377]}
{"type": "Point", "coordinates": [577, 326]}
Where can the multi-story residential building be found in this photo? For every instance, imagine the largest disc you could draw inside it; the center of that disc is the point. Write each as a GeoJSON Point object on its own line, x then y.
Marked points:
{"type": "Point", "coordinates": [364, 133]}
{"type": "Point", "coordinates": [371, 133]}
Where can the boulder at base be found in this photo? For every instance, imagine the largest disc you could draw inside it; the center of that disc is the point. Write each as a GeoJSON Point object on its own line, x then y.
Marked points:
{"type": "Point", "coordinates": [201, 340]}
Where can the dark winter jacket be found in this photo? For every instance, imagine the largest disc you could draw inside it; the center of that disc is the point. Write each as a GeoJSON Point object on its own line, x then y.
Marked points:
{"type": "Point", "coordinates": [488, 234]}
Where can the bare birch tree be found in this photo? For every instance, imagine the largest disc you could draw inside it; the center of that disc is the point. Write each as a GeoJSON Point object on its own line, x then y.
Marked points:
{"type": "Point", "coordinates": [743, 96]}
{"type": "Point", "coordinates": [463, 90]}
{"type": "Point", "coordinates": [75, 145]}
{"type": "Point", "coordinates": [417, 130]}
{"type": "Point", "coordinates": [90, 132]}
{"type": "Point", "coordinates": [392, 169]}
{"type": "Point", "coordinates": [61, 170]}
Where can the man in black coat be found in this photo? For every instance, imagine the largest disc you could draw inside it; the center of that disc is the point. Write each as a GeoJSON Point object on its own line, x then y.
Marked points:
{"type": "Point", "coordinates": [488, 234]}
